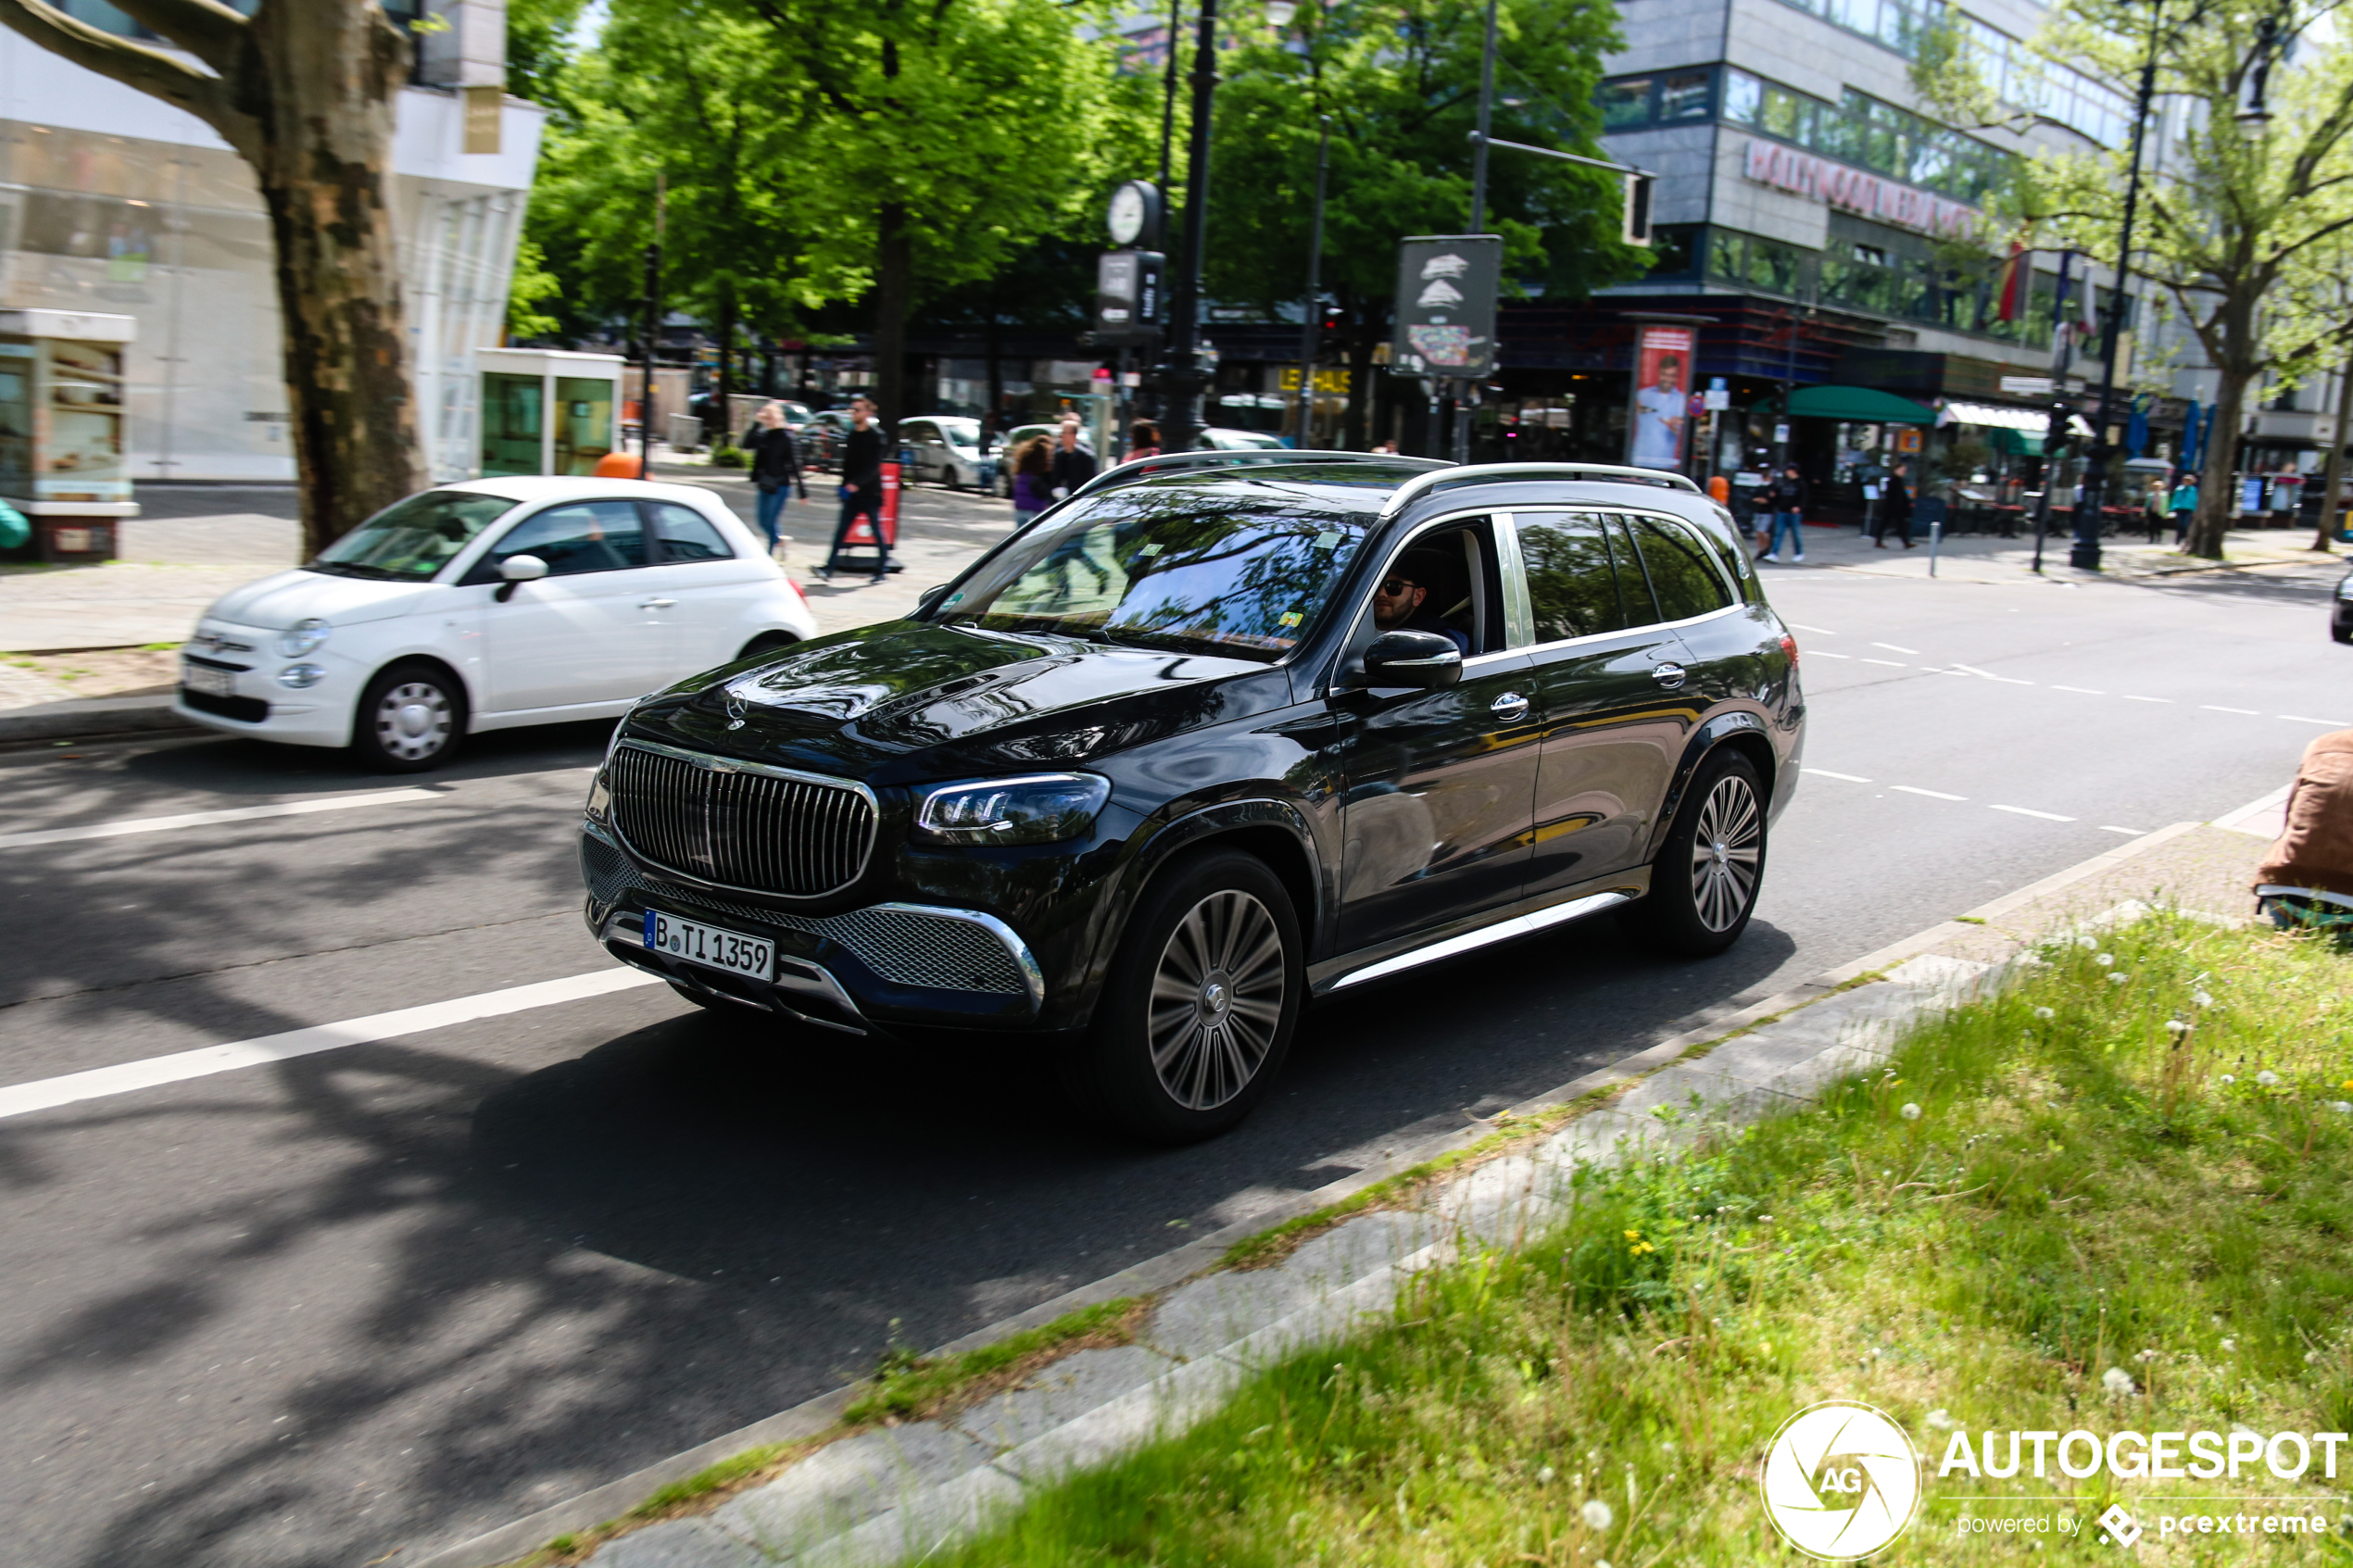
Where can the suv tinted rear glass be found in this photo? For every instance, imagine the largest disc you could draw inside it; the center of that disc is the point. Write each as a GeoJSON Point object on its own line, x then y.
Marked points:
{"type": "Point", "coordinates": [1145, 566]}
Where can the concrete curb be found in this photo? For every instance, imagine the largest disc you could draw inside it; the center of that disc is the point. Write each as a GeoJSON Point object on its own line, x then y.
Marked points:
{"type": "Point", "coordinates": [1736, 1087]}
{"type": "Point", "coordinates": [89, 718]}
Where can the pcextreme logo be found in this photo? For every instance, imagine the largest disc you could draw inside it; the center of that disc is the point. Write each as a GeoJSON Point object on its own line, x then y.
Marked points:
{"type": "Point", "coordinates": [1842, 1480]}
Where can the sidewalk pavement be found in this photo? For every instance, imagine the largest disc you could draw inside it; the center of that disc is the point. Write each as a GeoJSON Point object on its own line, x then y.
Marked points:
{"type": "Point", "coordinates": [1989, 557]}
{"type": "Point", "coordinates": [893, 1494]}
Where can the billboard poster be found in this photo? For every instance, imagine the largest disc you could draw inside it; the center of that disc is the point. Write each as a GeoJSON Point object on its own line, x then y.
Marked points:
{"type": "Point", "coordinates": [1446, 287]}
{"type": "Point", "coordinates": [1660, 419]}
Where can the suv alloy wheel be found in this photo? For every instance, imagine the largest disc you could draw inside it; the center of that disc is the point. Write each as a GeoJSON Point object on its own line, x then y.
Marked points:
{"type": "Point", "coordinates": [1198, 1011]}
{"type": "Point", "coordinates": [1704, 883]}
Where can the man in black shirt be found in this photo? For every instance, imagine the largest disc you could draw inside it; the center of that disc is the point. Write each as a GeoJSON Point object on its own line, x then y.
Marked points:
{"type": "Point", "coordinates": [861, 460]}
{"type": "Point", "coordinates": [1896, 509]}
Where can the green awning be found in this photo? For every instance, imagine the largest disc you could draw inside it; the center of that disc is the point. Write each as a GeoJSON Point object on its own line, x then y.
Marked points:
{"type": "Point", "coordinates": [1861, 404]}
{"type": "Point", "coordinates": [2017, 442]}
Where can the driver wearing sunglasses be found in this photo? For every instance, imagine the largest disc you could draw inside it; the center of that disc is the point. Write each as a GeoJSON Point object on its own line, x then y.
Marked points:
{"type": "Point", "coordinates": [1399, 599]}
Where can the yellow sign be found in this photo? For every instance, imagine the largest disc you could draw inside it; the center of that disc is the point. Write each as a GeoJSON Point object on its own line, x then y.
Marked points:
{"type": "Point", "coordinates": [484, 108]}
{"type": "Point", "coordinates": [1333, 382]}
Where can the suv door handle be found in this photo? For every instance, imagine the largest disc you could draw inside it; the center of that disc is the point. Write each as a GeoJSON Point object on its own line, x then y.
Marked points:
{"type": "Point", "coordinates": [1510, 708]}
{"type": "Point", "coordinates": [655, 604]}
{"type": "Point", "coordinates": [1669, 675]}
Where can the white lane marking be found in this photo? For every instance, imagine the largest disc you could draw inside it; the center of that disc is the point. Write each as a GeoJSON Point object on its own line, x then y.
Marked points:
{"type": "Point", "coordinates": [1825, 653]}
{"type": "Point", "coordinates": [1817, 630]}
{"type": "Point", "coordinates": [2081, 691]}
{"type": "Point", "coordinates": [2130, 698]}
{"type": "Point", "coordinates": [230, 814]}
{"type": "Point", "coordinates": [2217, 707]}
{"type": "Point", "coordinates": [1892, 647]}
{"type": "Point", "coordinates": [99, 1082]}
{"type": "Point", "coordinates": [1988, 674]}
{"type": "Point", "coordinates": [1932, 794]}
{"type": "Point", "coordinates": [1825, 772]}
{"type": "Point", "coordinates": [1892, 664]}
{"type": "Point", "coordinates": [2030, 811]}
{"type": "Point", "coordinates": [2300, 719]}
{"type": "Point", "coordinates": [2136, 833]}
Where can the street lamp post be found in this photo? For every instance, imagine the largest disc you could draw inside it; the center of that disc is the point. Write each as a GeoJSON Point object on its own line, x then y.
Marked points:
{"type": "Point", "coordinates": [1313, 320]}
{"type": "Point", "coordinates": [2091, 512]}
{"type": "Point", "coordinates": [1183, 376]}
{"type": "Point", "coordinates": [1477, 207]}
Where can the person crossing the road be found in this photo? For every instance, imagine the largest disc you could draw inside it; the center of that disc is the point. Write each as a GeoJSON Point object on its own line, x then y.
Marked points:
{"type": "Point", "coordinates": [1786, 496]}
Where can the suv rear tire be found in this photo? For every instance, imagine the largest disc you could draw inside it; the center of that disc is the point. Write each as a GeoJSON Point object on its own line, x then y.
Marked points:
{"type": "Point", "coordinates": [1200, 1003]}
{"type": "Point", "coordinates": [1704, 882]}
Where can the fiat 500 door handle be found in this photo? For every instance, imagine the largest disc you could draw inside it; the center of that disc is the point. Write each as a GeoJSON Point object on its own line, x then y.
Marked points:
{"type": "Point", "coordinates": [1669, 675]}
{"type": "Point", "coordinates": [655, 604]}
{"type": "Point", "coordinates": [1510, 708]}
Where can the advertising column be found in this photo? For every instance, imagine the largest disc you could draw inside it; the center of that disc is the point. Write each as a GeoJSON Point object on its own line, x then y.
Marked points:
{"type": "Point", "coordinates": [1658, 428]}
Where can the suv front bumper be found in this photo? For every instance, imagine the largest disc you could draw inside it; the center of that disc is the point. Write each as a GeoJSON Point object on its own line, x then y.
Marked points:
{"type": "Point", "coordinates": [860, 970]}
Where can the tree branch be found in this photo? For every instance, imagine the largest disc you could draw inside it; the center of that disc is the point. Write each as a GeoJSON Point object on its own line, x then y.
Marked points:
{"type": "Point", "coordinates": [134, 65]}
{"type": "Point", "coordinates": [206, 29]}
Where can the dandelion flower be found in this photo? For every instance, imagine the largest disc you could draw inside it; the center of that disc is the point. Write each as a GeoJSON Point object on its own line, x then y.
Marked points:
{"type": "Point", "coordinates": [2044, 1012]}
{"type": "Point", "coordinates": [2227, 1078]}
{"type": "Point", "coordinates": [2103, 959]}
{"type": "Point", "coordinates": [2175, 1026]}
{"type": "Point", "coordinates": [2232, 1346]}
{"type": "Point", "coordinates": [2341, 1107]}
{"type": "Point", "coordinates": [1597, 1515]}
{"type": "Point", "coordinates": [2311, 1358]}
{"type": "Point", "coordinates": [2087, 943]}
{"type": "Point", "coordinates": [2202, 998]}
{"type": "Point", "coordinates": [2268, 1078]}
{"type": "Point", "coordinates": [2146, 1356]}
{"type": "Point", "coordinates": [2119, 1383]}
{"type": "Point", "coordinates": [1910, 1112]}
{"type": "Point", "coordinates": [1942, 1419]}
{"type": "Point", "coordinates": [1545, 1475]}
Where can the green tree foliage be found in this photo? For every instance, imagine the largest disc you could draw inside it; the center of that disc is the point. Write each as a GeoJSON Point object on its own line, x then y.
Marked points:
{"type": "Point", "coordinates": [2241, 226]}
{"type": "Point", "coordinates": [539, 44]}
{"type": "Point", "coordinates": [1399, 79]}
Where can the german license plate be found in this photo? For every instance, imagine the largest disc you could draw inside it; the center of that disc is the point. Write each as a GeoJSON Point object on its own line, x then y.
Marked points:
{"type": "Point", "coordinates": [709, 946]}
{"type": "Point", "coordinates": [212, 682]}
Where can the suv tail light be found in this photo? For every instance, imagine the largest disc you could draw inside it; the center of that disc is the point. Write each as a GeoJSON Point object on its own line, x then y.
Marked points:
{"type": "Point", "coordinates": [1789, 647]}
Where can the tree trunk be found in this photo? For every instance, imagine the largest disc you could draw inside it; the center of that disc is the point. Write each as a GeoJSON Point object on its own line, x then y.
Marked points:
{"type": "Point", "coordinates": [2215, 497]}
{"type": "Point", "coordinates": [894, 292]}
{"type": "Point", "coordinates": [719, 428]}
{"type": "Point", "coordinates": [2333, 479]}
{"type": "Point", "coordinates": [329, 73]}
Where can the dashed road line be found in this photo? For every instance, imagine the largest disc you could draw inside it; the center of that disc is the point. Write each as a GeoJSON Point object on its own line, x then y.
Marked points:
{"type": "Point", "coordinates": [1893, 647]}
{"type": "Point", "coordinates": [1988, 674]}
{"type": "Point", "coordinates": [1825, 772]}
{"type": "Point", "coordinates": [2218, 708]}
{"type": "Point", "coordinates": [2109, 827]}
{"type": "Point", "coordinates": [2030, 811]}
{"type": "Point", "coordinates": [1932, 794]}
{"type": "Point", "coordinates": [1817, 630]}
{"type": "Point", "coordinates": [1891, 663]}
{"type": "Point", "coordinates": [2330, 723]}
{"type": "Point", "coordinates": [204, 819]}
{"type": "Point", "coordinates": [2081, 691]}
{"type": "Point", "coordinates": [2130, 698]}
{"type": "Point", "coordinates": [1825, 653]}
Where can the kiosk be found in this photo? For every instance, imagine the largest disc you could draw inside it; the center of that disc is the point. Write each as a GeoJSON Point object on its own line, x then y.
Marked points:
{"type": "Point", "coordinates": [546, 410]}
{"type": "Point", "coordinates": [62, 463]}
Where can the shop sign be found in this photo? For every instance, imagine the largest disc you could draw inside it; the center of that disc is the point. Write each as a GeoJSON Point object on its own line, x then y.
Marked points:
{"type": "Point", "coordinates": [1335, 383]}
{"type": "Point", "coordinates": [1786, 169]}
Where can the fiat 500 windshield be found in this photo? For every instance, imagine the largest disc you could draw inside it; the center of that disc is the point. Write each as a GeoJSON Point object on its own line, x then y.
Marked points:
{"type": "Point", "coordinates": [1168, 570]}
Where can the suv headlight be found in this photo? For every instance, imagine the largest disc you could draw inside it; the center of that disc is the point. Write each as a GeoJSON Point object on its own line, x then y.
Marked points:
{"type": "Point", "coordinates": [1034, 809]}
{"type": "Point", "coordinates": [304, 636]}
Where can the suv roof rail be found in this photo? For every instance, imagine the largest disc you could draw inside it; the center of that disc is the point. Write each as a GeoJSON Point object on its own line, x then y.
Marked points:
{"type": "Point", "coordinates": [1169, 462]}
{"type": "Point", "coordinates": [1423, 483]}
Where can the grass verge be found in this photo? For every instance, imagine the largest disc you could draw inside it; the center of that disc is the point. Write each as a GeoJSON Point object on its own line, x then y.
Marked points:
{"type": "Point", "coordinates": [2119, 1195]}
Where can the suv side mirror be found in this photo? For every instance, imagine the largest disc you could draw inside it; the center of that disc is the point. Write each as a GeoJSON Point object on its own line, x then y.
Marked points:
{"type": "Point", "coordinates": [1422, 659]}
{"type": "Point", "coordinates": [514, 572]}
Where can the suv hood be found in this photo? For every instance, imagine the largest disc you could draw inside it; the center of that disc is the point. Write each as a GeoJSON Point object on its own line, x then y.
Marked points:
{"type": "Point", "coordinates": [863, 699]}
{"type": "Point", "coordinates": [279, 601]}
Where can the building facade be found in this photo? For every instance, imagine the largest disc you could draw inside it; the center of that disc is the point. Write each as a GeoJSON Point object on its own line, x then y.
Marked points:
{"type": "Point", "coordinates": [113, 202]}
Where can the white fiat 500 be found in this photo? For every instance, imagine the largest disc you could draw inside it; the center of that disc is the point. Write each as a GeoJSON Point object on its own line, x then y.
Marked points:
{"type": "Point", "coordinates": [485, 605]}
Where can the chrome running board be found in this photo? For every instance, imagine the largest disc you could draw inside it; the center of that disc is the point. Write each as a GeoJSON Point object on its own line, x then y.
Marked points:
{"type": "Point", "coordinates": [1502, 931]}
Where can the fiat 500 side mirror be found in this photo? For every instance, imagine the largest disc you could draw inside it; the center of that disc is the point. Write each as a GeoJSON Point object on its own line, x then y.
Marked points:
{"type": "Point", "coordinates": [1421, 660]}
{"type": "Point", "coordinates": [516, 571]}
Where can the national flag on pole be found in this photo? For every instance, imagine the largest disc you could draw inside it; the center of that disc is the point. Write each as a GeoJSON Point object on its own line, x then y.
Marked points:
{"type": "Point", "coordinates": [2015, 273]}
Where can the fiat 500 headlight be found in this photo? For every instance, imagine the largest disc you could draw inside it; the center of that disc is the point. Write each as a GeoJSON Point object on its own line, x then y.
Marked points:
{"type": "Point", "coordinates": [2344, 589]}
{"type": "Point", "coordinates": [304, 636]}
{"type": "Point", "coordinates": [1035, 808]}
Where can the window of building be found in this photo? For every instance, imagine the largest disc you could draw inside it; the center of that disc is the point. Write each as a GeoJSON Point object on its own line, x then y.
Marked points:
{"type": "Point", "coordinates": [1626, 104]}
{"type": "Point", "coordinates": [1676, 249]}
{"type": "Point", "coordinates": [1684, 96]}
{"type": "Point", "coordinates": [1870, 134]}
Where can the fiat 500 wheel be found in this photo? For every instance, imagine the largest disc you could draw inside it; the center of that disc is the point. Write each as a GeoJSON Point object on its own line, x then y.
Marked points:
{"type": "Point", "coordinates": [412, 717]}
{"type": "Point", "coordinates": [1704, 883]}
{"type": "Point", "coordinates": [1200, 1003]}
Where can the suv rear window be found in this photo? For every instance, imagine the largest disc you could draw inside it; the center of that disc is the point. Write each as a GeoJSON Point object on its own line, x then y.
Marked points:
{"type": "Point", "coordinates": [1167, 569]}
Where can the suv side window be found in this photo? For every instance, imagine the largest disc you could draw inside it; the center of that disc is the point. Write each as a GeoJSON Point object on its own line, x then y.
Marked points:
{"type": "Point", "coordinates": [686, 535]}
{"type": "Point", "coordinates": [584, 536]}
{"type": "Point", "coordinates": [1463, 601]}
{"type": "Point", "coordinates": [1633, 577]}
{"type": "Point", "coordinates": [1572, 582]}
{"type": "Point", "coordinates": [1687, 583]}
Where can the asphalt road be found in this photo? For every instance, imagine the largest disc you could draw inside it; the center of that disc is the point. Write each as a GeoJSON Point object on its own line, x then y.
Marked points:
{"type": "Point", "coordinates": [380, 1297]}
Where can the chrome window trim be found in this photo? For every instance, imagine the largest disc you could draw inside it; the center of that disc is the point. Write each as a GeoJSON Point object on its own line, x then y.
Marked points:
{"type": "Point", "coordinates": [1033, 977]}
{"type": "Point", "coordinates": [1738, 602]}
{"type": "Point", "coordinates": [1519, 611]}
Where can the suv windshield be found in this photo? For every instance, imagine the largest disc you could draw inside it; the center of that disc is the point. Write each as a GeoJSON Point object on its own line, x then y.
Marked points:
{"type": "Point", "coordinates": [1196, 572]}
{"type": "Point", "coordinates": [410, 540]}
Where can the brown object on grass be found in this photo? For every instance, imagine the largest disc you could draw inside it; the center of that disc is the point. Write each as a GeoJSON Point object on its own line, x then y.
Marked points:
{"type": "Point", "coordinates": [2316, 849]}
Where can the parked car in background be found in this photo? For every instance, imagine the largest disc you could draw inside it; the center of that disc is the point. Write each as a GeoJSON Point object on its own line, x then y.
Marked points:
{"type": "Point", "coordinates": [1217, 440]}
{"type": "Point", "coordinates": [1225, 732]}
{"type": "Point", "coordinates": [821, 436]}
{"type": "Point", "coordinates": [1011, 445]}
{"type": "Point", "coordinates": [945, 449]}
{"type": "Point", "coordinates": [485, 605]}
